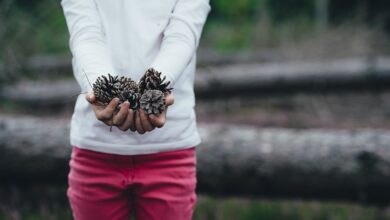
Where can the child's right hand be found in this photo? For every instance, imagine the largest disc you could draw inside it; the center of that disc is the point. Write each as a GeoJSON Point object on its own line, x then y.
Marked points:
{"type": "Point", "coordinates": [123, 118]}
{"type": "Point", "coordinates": [145, 123]}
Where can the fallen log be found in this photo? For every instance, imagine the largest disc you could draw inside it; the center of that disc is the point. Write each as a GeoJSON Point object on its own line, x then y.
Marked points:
{"type": "Point", "coordinates": [319, 163]}
{"type": "Point", "coordinates": [253, 78]}
{"type": "Point", "coordinates": [314, 163]}
{"type": "Point", "coordinates": [42, 94]}
{"type": "Point", "coordinates": [237, 79]}
{"type": "Point", "coordinates": [49, 64]}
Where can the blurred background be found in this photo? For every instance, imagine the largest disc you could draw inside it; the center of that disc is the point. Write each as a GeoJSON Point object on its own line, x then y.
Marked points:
{"type": "Point", "coordinates": [293, 104]}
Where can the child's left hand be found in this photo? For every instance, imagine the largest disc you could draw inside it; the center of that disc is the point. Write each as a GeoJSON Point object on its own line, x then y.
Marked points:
{"type": "Point", "coordinates": [145, 123]}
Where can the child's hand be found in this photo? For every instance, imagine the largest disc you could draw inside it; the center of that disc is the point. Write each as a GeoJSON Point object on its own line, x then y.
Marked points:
{"type": "Point", "coordinates": [145, 123]}
{"type": "Point", "coordinates": [123, 118]}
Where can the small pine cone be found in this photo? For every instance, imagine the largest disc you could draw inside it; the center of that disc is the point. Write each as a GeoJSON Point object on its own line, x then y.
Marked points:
{"type": "Point", "coordinates": [109, 87]}
{"type": "Point", "coordinates": [106, 88]}
{"type": "Point", "coordinates": [132, 98]}
{"type": "Point", "coordinates": [129, 92]}
{"type": "Point", "coordinates": [127, 84]}
{"type": "Point", "coordinates": [152, 102]}
{"type": "Point", "coordinates": [151, 80]}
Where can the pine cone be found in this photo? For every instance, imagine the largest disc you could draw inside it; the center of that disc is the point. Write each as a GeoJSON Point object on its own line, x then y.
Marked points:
{"type": "Point", "coordinates": [105, 89]}
{"type": "Point", "coordinates": [128, 91]}
{"type": "Point", "coordinates": [124, 88]}
{"type": "Point", "coordinates": [151, 80]}
{"type": "Point", "coordinates": [132, 98]}
{"type": "Point", "coordinates": [127, 84]}
{"type": "Point", "coordinates": [152, 102]}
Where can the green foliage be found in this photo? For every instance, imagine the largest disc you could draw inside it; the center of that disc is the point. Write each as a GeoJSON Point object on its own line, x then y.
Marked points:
{"type": "Point", "coordinates": [249, 209]}
{"type": "Point", "coordinates": [286, 10]}
{"type": "Point", "coordinates": [239, 9]}
{"type": "Point", "coordinates": [251, 24]}
{"type": "Point", "coordinates": [31, 29]}
{"type": "Point", "coordinates": [233, 37]}
{"type": "Point", "coordinates": [228, 38]}
{"type": "Point", "coordinates": [50, 202]}
{"type": "Point", "coordinates": [38, 27]}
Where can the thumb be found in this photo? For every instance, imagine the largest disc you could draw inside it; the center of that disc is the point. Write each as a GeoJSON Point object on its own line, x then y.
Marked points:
{"type": "Point", "coordinates": [169, 100]}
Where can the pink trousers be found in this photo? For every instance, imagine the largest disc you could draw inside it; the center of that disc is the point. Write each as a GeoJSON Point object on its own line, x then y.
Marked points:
{"type": "Point", "coordinates": [111, 187]}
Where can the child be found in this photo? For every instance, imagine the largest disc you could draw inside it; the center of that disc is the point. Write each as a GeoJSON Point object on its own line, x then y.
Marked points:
{"type": "Point", "coordinates": [146, 164]}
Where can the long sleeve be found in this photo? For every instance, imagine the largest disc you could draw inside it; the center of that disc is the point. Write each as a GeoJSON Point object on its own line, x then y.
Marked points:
{"type": "Point", "coordinates": [88, 42]}
{"type": "Point", "coordinates": [126, 37]}
{"type": "Point", "coordinates": [181, 37]}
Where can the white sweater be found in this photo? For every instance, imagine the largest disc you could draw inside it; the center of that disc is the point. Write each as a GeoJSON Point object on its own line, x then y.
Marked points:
{"type": "Point", "coordinates": [126, 37]}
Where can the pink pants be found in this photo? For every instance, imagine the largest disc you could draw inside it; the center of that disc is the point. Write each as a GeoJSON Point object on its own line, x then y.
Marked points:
{"type": "Point", "coordinates": [110, 187]}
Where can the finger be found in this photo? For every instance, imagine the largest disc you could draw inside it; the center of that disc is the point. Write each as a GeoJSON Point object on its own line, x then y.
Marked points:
{"type": "Point", "coordinates": [108, 111]}
{"type": "Point", "coordinates": [169, 100]}
{"type": "Point", "coordinates": [132, 127]}
{"type": "Point", "coordinates": [138, 124]}
{"type": "Point", "coordinates": [120, 117]}
{"type": "Point", "coordinates": [108, 122]}
{"type": "Point", "coordinates": [112, 105]}
{"type": "Point", "coordinates": [91, 98]}
{"type": "Point", "coordinates": [157, 121]}
{"type": "Point", "coordinates": [128, 122]}
{"type": "Point", "coordinates": [145, 121]}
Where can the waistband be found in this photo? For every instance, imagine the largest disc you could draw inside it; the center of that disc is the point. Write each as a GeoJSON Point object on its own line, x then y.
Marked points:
{"type": "Point", "coordinates": [166, 155]}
